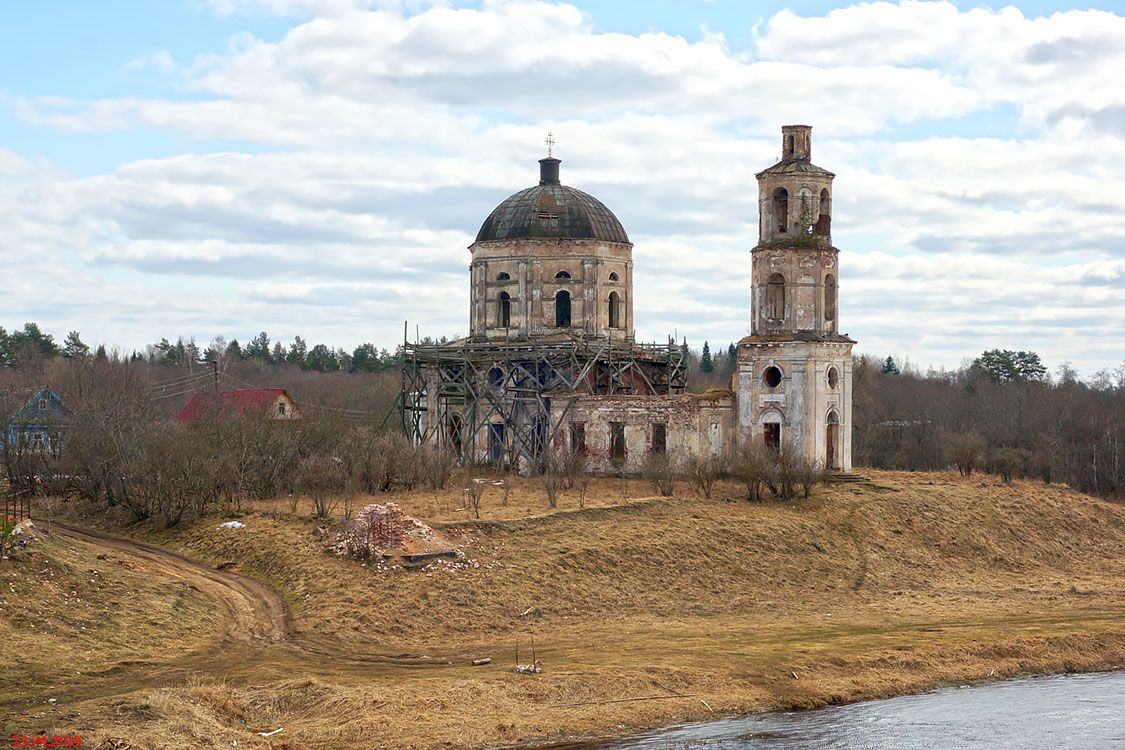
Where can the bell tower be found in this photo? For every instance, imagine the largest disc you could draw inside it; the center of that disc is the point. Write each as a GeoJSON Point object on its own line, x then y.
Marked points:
{"type": "Point", "coordinates": [794, 371]}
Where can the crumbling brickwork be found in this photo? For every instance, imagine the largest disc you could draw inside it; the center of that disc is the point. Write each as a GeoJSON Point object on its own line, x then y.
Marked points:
{"type": "Point", "coordinates": [794, 377]}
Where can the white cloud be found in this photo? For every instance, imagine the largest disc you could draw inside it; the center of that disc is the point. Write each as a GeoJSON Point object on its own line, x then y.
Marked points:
{"type": "Point", "coordinates": [398, 129]}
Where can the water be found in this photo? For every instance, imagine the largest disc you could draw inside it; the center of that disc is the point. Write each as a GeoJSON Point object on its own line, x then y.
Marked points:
{"type": "Point", "coordinates": [1084, 712]}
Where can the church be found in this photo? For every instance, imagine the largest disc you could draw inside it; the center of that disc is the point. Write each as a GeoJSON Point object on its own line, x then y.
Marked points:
{"type": "Point", "coordinates": [551, 363]}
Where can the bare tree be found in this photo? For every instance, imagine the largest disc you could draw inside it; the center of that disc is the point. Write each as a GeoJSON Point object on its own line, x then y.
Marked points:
{"type": "Point", "coordinates": [474, 492]}
{"type": "Point", "coordinates": [323, 479]}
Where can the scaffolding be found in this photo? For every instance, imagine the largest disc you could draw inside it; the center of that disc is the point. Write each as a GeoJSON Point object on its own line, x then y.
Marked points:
{"type": "Point", "coordinates": [518, 393]}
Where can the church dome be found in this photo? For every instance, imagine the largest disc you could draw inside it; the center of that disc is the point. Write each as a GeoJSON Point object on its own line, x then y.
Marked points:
{"type": "Point", "coordinates": [551, 210]}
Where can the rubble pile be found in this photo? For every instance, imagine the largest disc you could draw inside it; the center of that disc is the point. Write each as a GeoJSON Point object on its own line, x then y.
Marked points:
{"type": "Point", "coordinates": [386, 530]}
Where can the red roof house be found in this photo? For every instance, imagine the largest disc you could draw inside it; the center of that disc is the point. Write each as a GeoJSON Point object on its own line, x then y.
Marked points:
{"type": "Point", "coordinates": [270, 403]}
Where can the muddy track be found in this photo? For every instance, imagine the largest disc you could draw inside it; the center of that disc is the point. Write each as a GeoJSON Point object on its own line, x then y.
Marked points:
{"type": "Point", "coordinates": [255, 626]}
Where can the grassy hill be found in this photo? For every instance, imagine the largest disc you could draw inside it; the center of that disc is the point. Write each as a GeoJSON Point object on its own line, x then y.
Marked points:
{"type": "Point", "coordinates": [702, 607]}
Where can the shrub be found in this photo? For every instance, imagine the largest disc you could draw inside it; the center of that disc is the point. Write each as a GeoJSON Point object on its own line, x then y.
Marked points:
{"type": "Point", "coordinates": [703, 472]}
{"type": "Point", "coordinates": [662, 471]}
{"type": "Point", "coordinates": [966, 450]}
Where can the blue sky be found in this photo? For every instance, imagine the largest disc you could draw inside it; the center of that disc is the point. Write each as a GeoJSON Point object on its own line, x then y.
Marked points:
{"type": "Point", "coordinates": [318, 167]}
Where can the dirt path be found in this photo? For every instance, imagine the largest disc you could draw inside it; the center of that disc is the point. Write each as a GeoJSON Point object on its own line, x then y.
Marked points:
{"type": "Point", "coordinates": [256, 628]}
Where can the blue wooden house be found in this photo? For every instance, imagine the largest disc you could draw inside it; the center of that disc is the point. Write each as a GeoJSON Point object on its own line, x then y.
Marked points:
{"type": "Point", "coordinates": [40, 426]}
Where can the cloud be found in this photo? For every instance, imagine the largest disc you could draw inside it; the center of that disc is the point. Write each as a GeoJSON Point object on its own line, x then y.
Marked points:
{"type": "Point", "coordinates": [389, 134]}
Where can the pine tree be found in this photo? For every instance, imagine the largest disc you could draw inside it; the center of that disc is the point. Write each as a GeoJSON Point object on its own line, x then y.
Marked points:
{"type": "Point", "coordinates": [705, 362]}
{"type": "Point", "coordinates": [889, 367]}
{"type": "Point", "coordinates": [298, 353]}
{"type": "Point", "coordinates": [732, 351]}
{"type": "Point", "coordinates": [259, 348]}
{"type": "Point", "coordinates": [73, 348]}
{"type": "Point", "coordinates": [100, 354]}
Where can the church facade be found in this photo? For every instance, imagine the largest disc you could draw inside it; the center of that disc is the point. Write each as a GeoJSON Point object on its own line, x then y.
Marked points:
{"type": "Point", "coordinates": [551, 363]}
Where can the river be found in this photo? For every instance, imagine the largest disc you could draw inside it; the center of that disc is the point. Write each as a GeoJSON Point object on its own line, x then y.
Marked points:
{"type": "Point", "coordinates": [1084, 712]}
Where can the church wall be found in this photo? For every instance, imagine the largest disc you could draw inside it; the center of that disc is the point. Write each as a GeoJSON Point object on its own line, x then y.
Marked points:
{"type": "Point", "coordinates": [803, 399]}
{"type": "Point", "coordinates": [697, 424]}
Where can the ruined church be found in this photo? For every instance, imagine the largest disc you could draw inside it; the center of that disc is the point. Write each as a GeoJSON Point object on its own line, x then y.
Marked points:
{"type": "Point", "coordinates": [551, 363]}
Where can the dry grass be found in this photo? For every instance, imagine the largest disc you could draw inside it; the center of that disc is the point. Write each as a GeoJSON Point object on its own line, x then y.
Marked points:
{"type": "Point", "coordinates": [67, 616]}
{"type": "Point", "coordinates": [864, 590]}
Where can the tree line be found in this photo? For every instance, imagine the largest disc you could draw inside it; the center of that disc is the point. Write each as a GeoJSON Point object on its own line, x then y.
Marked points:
{"type": "Point", "coordinates": [1001, 412]}
{"type": "Point", "coordinates": [31, 342]}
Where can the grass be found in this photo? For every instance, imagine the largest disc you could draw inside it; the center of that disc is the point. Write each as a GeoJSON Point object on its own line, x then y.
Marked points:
{"type": "Point", "coordinates": [68, 615]}
{"type": "Point", "coordinates": [861, 591]}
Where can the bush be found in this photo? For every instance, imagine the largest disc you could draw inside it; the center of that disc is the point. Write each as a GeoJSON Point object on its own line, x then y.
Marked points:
{"type": "Point", "coordinates": [966, 450]}
{"type": "Point", "coordinates": [754, 467]}
{"type": "Point", "coordinates": [703, 472]}
{"type": "Point", "coordinates": [1007, 462]}
{"type": "Point", "coordinates": [662, 471]}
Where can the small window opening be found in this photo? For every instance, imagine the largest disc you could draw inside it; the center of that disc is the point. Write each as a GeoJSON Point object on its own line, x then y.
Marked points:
{"type": "Point", "coordinates": [659, 437]}
{"type": "Point", "coordinates": [578, 437]}
{"type": "Point", "coordinates": [503, 277]}
{"type": "Point", "coordinates": [504, 310]}
{"type": "Point", "coordinates": [772, 377]}
{"type": "Point", "coordinates": [833, 378]}
{"type": "Point", "coordinates": [281, 408]}
{"type": "Point", "coordinates": [613, 276]}
{"type": "Point", "coordinates": [562, 275]}
{"type": "Point", "coordinates": [455, 430]}
{"type": "Point", "coordinates": [781, 209]}
{"type": "Point", "coordinates": [562, 309]}
{"type": "Point", "coordinates": [824, 220]}
{"type": "Point", "coordinates": [775, 297]}
{"type": "Point", "coordinates": [772, 432]}
{"type": "Point", "coordinates": [37, 442]}
{"type": "Point", "coordinates": [548, 220]}
{"type": "Point", "coordinates": [495, 375]}
{"type": "Point", "coordinates": [617, 442]}
{"type": "Point", "coordinates": [614, 310]}
{"type": "Point", "coordinates": [496, 443]}
{"type": "Point", "coordinates": [789, 145]}
{"type": "Point", "coordinates": [829, 297]}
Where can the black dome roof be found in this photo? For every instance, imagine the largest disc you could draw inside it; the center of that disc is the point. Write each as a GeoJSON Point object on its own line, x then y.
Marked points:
{"type": "Point", "coordinates": [551, 210]}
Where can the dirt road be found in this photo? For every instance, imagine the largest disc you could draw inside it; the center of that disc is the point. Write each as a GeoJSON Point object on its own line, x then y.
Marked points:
{"type": "Point", "coordinates": [256, 628]}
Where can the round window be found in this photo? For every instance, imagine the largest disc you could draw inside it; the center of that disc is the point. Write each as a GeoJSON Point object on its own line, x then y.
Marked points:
{"type": "Point", "coordinates": [833, 377]}
{"type": "Point", "coordinates": [772, 377]}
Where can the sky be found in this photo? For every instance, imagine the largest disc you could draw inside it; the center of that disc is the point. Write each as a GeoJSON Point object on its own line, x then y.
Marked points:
{"type": "Point", "coordinates": [319, 167]}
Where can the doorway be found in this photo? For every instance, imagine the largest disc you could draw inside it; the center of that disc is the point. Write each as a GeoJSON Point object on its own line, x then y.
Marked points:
{"type": "Point", "coordinates": [832, 440]}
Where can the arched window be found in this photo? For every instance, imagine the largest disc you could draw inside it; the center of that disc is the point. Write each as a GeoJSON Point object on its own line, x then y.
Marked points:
{"type": "Point", "coordinates": [614, 310]}
{"type": "Point", "coordinates": [824, 220]}
{"type": "Point", "coordinates": [789, 146]}
{"type": "Point", "coordinates": [562, 275]}
{"type": "Point", "coordinates": [495, 375]}
{"type": "Point", "coordinates": [772, 376]}
{"type": "Point", "coordinates": [833, 378]}
{"type": "Point", "coordinates": [562, 309]}
{"type": "Point", "coordinates": [613, 276]}
{"type": "Point", "coordinates": [775, 297]}
{"type": "Point", "coordinates": [504, 310]}
{"type": "Point", "coordinates": [503, 277]}
{"type": "Point", "coordinates": [829, 297]}
{"type": "Point", "coordinates": [781, 210]}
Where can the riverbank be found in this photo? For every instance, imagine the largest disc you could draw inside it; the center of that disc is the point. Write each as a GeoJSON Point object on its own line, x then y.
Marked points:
{"type": "Point", "coordinates": [644, 612]}
{"type": "Point", "coordinates": [1059, 711]}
